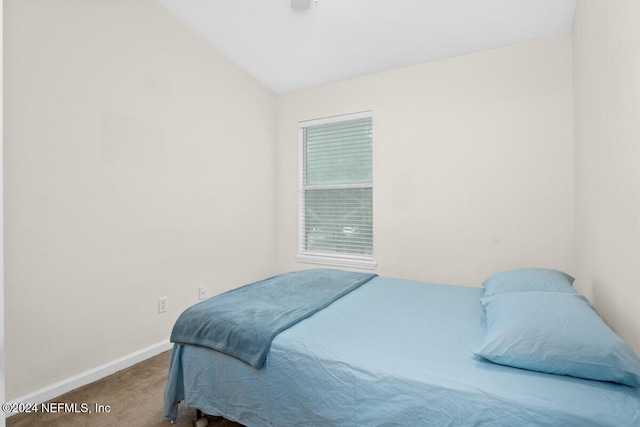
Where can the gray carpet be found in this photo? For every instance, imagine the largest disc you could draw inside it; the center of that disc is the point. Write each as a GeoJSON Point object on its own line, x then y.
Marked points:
{"type": "Point", "coordinates": [135, 397]}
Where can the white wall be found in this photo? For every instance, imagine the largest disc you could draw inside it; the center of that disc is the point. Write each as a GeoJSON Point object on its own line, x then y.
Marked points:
{"type": "Point", "coordinates": [473, 162]}
{"type": "Point", "coordinates": [606, 52]}
{"type": "Point", "coordinates": [2, 345]}
{"type": "Point", "coordinates": [138, 164]}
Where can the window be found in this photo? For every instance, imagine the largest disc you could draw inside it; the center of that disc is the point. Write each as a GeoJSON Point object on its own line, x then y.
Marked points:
{"type": "Point", "coordinates": [336, 186]}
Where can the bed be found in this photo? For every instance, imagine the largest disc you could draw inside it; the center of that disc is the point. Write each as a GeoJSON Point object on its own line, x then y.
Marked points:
{"type": "Point", "coordinates": [393, 352]}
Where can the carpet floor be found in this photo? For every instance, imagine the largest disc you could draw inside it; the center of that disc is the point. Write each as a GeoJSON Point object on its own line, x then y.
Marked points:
{"type": "Point", "coordinates": [134, 396]}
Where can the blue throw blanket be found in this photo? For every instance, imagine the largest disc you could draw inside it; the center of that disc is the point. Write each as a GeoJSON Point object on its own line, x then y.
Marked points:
{"type": "Point", "coordinates": [243, 322]}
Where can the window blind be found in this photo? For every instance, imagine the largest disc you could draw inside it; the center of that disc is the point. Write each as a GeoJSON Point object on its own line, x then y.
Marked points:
{"type": "Point", "coordinates": [336, 218]}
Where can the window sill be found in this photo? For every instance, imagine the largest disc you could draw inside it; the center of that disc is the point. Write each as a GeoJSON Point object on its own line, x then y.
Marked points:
{"type": "Point", "coordinates": [337, 260]}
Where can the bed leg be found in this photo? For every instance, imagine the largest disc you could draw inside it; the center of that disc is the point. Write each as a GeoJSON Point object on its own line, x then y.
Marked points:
{"type": "Point", "coordinates": [201, 420]}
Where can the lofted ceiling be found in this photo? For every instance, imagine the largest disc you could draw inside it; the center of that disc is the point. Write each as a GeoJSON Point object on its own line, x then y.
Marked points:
{"type": "Point", "coordinates": [332, 40]}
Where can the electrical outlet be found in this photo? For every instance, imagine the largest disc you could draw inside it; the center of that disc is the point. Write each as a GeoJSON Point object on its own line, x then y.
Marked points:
{"type": "Point", "coordinates": [162, 304]}
{"type": "Point", "coordinates": [202, 292]}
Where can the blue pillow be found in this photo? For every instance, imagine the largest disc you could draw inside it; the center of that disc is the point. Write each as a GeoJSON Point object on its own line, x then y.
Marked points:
{"type": "Point", "coordinates": [529, 280]}
{"type": "Point", "coordinates": [556, 333]}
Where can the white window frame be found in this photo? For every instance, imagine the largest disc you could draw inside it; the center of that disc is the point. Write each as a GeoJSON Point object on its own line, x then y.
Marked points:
{"type": "Point", "coordinates": [317, 257]}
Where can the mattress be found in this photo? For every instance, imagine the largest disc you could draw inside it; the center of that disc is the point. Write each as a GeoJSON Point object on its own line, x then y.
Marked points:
{"type": "Point", "coordinates": [390, 353]}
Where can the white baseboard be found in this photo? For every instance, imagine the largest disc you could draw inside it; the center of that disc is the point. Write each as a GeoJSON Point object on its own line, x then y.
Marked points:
{"type": "Point", "coordinates": [95, 374]}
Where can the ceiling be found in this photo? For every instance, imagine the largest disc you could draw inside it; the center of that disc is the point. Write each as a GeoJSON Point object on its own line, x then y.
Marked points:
{"type": "Point", "coordinates": [288, 50]}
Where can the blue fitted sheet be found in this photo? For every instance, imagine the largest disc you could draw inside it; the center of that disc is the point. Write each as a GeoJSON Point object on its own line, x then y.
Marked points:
{"type": "Point", "coordinates": [391, 353]}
